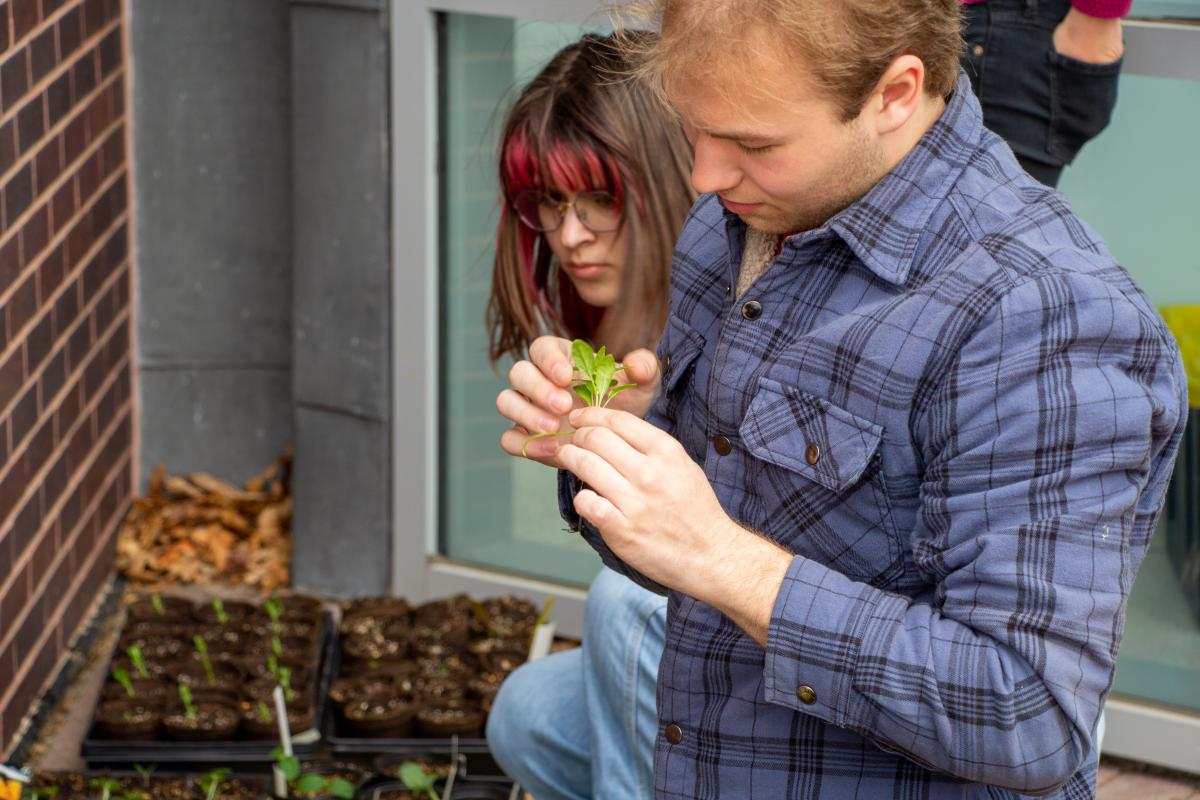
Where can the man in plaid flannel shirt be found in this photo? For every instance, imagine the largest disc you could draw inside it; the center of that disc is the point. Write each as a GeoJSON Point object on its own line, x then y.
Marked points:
{"type": "Point", "coordinates": [906, 437]}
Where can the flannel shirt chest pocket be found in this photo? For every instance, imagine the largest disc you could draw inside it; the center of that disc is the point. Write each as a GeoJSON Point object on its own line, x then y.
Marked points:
{"type": "Point", "coordinates": [817, 470]}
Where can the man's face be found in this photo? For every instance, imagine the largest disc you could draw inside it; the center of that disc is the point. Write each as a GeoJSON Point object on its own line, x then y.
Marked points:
{"type": "Point", "coordinates": [773, 148]}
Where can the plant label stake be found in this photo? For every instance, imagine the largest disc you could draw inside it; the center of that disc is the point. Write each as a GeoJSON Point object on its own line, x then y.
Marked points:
{"type": "Point", "coordinates": [285, 739]}
{"type": "Point", "coordinates": [543, 632]}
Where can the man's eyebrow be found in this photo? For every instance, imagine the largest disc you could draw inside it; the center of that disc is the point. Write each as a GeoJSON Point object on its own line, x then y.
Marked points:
{"type": "Point", "coordinates": [736, 135]}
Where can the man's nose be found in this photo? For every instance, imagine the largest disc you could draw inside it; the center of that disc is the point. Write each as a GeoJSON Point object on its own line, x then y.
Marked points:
{"type": "Point", "coordinates": [574, 232]}
{"type": "Point", "coordinates": [713, 170]}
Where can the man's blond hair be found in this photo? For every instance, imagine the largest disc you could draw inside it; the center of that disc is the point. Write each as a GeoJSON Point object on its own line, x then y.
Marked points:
{"type": "Point", "coordinates": [846, 44]}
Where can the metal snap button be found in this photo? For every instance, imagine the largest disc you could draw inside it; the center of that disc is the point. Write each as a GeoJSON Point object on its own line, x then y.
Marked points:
{"type": "Point", "coordinates": [722, 445]}
{"type": "Point", "coordinates": [807, 694]}
{"type": "Point", "coordinates": [674, 733]}
{"type": "Point", "coordinates": [752, 309]}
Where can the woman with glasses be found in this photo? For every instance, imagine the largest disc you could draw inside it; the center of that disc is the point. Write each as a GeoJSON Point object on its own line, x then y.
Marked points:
{"type": "Point", "coordinates": [595, 180]}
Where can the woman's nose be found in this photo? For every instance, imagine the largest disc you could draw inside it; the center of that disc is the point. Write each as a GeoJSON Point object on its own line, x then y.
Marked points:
{"type": "Point", "coordinates": [574, 233]}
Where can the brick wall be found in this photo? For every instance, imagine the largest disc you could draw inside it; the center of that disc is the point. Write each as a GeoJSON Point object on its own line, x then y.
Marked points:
{"type": "Point", "coordinates": [66, 427]}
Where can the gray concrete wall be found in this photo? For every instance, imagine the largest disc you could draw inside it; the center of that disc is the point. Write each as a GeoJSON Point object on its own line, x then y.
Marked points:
{"type": "Point", "coordinates": [212, 169]}
{"type": "Point", "coordinates": [341, 297]}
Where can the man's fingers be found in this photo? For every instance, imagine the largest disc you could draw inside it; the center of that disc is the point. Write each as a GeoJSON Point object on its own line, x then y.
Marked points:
{"type": "Point", "coordinates": [527, 379]}
{"type": "Point", "coordinates": [595, 472]}
{"type": "Point", "coordinates": [623, 456]}
{"type": "Point", "coordinates": [600, 512]}
{"type": "Point", "coordinates": [639, 434]}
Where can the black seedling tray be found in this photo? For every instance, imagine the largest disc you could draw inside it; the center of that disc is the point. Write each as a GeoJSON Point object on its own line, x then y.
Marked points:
{"type": "Point", "coordinates": [97, 751]}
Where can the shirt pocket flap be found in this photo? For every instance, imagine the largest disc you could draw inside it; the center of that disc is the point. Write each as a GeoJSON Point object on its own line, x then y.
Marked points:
{"type": "Point", "coordinates": [809, 435]}
{"type": "Point", "coordinates": [680, 345]}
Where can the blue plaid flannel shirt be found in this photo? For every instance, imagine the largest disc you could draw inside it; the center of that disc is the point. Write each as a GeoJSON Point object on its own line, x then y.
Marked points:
{"type": "Point", "coordinates": [960, 414]}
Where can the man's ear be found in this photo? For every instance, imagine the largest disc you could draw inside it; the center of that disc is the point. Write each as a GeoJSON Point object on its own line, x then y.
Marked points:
{"type": "Point", "coordinates": [897, 96]}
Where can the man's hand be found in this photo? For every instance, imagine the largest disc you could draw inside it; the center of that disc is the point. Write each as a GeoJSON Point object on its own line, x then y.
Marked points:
{"type": "Point", "coordinates": [1089, 39]}
{"type": "Point", "coordinates": [658, 513]}
{"type": "Point", "coordinates": [541, 396]}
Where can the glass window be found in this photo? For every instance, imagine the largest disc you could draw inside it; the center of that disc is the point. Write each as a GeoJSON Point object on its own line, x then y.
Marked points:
{"type": "Point", "coordinates": [1166, 9]}
{"type": "Point", "coordinates": [1139, 185]}
{"type": "Point", "coordinates": [496, 511]}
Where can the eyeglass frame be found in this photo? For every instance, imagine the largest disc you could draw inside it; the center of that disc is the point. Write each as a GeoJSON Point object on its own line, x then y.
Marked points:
{"type": "Point", "coordinates": [562, 211]}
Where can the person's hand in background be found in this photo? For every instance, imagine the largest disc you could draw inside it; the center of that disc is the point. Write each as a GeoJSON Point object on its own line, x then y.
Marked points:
{"type": "Point", "coordinates": [1089, 39]}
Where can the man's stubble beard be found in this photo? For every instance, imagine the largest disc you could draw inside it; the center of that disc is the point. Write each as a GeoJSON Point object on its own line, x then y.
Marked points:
{"type": "Point", "coordinates": [854, 175]}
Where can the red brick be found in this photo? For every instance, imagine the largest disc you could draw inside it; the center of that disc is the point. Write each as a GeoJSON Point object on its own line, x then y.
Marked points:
{"type": "Point", "coordinates": [25, 18]}
{"type": "Point", "coordinates": [79, 447]}
{"type": "Point", "coordinates": [5, 40]}
{"type": "Point", "coordinates": [76, 135]}
{"type": "Point", "coordinates": [52, 380]}
{"type": "Point", "coordinates": [78, 345]}
{"type": "Point", "coordinates": [63, 205]}
{"type": "Point", "coordinates": [22, 305]}
{"type": "Point", "coordinates": [89, 178]}
{"type": "Point", "coordinates": [3, 451]}
{"type": "Point", "coordinates": [31, 123]}
{"type": "Point", "coordinates": [38, 344]}
{"type": "Point", "coordinates": [8, 145]}
{"type": "Point", "coordinates": [24, 415]}
{"type": "Point", "coordinates": [110, 52]}
{"type": "Point", "coordinates": [18, 194]}
{"type": "Point", "coordinates": [47, 166]}
{"type": "Point", "coordinates": [52, 270]}
{"type": "Point", "coordinates": [43, 54]}
{"type": "Point", "coordinates": [35, 234]}
{"type": "Point", "coordinates": [11, 603]}
{"type": "Point", "coordinates": [10, 261]}
{"type": "Point", "coordinates": [58, 99]}
{"type": "Point", "coordinates": [50, 6]}
{"type": "Point", "coordinates": [11, 375]}
{"type": "Point", "coordinates": [83, 77]}
{"type": "Point", "coordinates": [69, 33]}
{"type": "Point", "coordinates": [14, 78]}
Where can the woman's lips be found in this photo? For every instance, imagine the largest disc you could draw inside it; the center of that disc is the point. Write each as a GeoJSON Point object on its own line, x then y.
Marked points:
{"type": "Point", "coordinates": [740, 208]}
{"type": "Point", "coordinates": [587, 270]}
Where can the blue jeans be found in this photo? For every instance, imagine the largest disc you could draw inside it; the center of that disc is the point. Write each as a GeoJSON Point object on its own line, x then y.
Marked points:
{"type": "Point", "coordinates": [581, 724]}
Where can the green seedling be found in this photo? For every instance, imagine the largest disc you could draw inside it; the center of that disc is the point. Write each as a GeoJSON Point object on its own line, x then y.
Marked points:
{"type": "Point", "coordinates": [219, 607]}
{"type": "Point", "coordinates": [122, 677]}
{"type": "Point", "coordinates": [211, 782]}
{"type": "Point", "coordinates": [595, 381]}
{"type": "Point", "coordinates": [106, 786]}
{"type": "Point", "coordinates": [288, 765]}
{"type": "Point", "coordinates": [189, 708]}
{"type": "Point", "coordinates": [139, 662]}
{"type": "Point", "coordinates": [274, 609]}
{"type": "Point", "coordinates": [145, 772]}
{"type": "Point", "coordinates": [542, 618]}
{"type": "Point", "coordinates": [44, 791]}
{"type": "Point", "coordinates": [276, 645]}
{"type": "Point", "coordinates": [273, 666]}
{"type": "Point", "coordinates": [285, 680]}
{"type": "Point", "coordinates": [202, 649]}
{"type": "Point", "coordinates": [319, 784]}
{"type": "Point", "coordinates": [264, 713]}
{"type": "Point", "coordinates": [483, 618]}
{"type": "Point", "coordinates": [157, 602]}
{"type": "Point", "coordinates": [417, 779]}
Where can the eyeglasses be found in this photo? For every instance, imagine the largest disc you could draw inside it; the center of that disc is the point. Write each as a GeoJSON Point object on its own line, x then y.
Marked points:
{"type": "Point", "coordinates": [544, 212]}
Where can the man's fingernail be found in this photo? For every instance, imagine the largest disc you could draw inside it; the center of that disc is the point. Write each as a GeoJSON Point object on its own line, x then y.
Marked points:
{"type": "Point", "coordinates": [562, 402]}
{"type": "Point", "coordinates": [573, 417]}
{"type": "Point", "coordinates": [562, 372]}
{"type": "Point", "coordinates": [549, 424]}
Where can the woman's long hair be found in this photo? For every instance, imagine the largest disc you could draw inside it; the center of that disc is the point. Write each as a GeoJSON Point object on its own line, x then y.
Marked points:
{"type": "Point", "coordinates": [583, 125]}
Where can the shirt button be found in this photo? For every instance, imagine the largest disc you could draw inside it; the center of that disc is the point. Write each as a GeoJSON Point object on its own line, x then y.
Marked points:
{"type": "Point", "coordinates": [807, 695]}
{"type": "Point", "coordinates": [812, 454]}
{"type": "Point", "coordinates": [977, 50]}
{"type": "Point", "coordinates": [674, 733]}
{"type": "Point", "coordinates": [722, 445]}
{"type": "Point", "coordinates": [666, 362]}
{"type": "Point", "coordinates": [752, 309]}
{"type": "Point", "coordinates": [728, 288]}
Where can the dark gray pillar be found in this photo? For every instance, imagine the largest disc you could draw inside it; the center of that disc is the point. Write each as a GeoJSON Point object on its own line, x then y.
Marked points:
{"type": "Point", "coordinates": [341, 297]}
{"type": "Point", "coordinates": [212, 171]}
